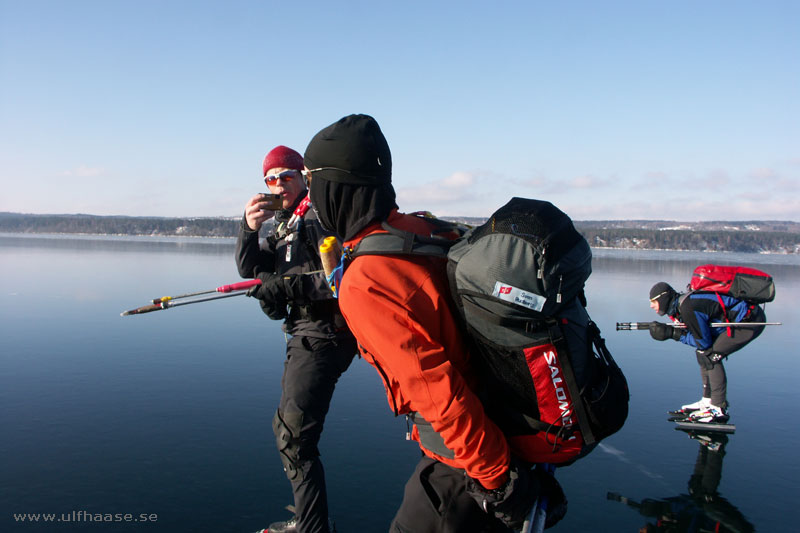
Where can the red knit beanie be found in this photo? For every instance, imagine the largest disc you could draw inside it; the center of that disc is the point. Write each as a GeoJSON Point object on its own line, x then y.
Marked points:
{"type": "Point", "coordinates": [282, 156]}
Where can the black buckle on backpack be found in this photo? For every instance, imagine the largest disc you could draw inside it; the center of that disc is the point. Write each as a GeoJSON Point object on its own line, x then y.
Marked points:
{"type": "Point", "coordinates": [564, 433]}
{"type": "Point", "coordinates": [554, 330]}
{"type": "Point", "coordinates": [534, 326]}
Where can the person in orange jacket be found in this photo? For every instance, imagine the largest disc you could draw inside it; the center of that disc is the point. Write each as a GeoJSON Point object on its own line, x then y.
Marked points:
{"type": "Point", "coordinates": [399, 309]}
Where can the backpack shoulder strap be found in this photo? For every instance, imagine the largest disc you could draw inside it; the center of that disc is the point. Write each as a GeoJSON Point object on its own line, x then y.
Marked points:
{"type": "Point", "coordinates": [682, 298]}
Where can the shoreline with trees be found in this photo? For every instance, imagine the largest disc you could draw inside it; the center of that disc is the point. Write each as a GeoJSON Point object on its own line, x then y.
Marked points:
{"type": "Point", "coordinates": [780, 237]}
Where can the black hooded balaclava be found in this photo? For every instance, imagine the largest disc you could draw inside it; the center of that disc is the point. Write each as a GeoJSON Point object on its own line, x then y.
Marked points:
{"type": "Point", "coordinates": [664, 294]}
{"type": "Point", "coordinates": [351, 181]}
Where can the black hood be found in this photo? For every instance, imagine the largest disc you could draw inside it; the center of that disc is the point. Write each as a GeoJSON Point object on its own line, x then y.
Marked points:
{"type": "Point", "coordinates": [665, 295]}
{"type": "Point", "coordinates": [351, 180]}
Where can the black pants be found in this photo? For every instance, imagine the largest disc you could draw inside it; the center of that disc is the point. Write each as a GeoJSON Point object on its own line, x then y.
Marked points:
{"type": "Point", "coordinates": [707, 471]}
{"type": "Point", "coordinates": [312, 368]}
{"type": "Point", "coordinates": [436, 501]}
{"type": "Point", "coordinates": [712, 375]}
{"type": "Point", "coordinates": [703, 487]}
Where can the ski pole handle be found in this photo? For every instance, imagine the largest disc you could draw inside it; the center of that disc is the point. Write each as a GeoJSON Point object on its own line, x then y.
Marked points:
{"type": "Point", "coordinates": [241, 286]}
{"type": "Point", "coordinates": [631, 326]}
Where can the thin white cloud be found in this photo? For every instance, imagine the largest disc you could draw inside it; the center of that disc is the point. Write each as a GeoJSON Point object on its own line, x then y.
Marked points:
{"type": "Point", "coordinates": [84, 171]}
{"type": "Point", "coordinates": [459, 179]}
{"type": "Point", "coordinates": [588, 181]}
{"type": "Point", "coordinates": [649, 181]}
{"type": "Point", "coordinates": [712, 180]}
{"type": "Point", "coordinates": [543, 185]}
{"type": "Point", "coordinates": [763, 174]}
{"type": "Point", "coordinates": [436, 193]}
{"type": "Point", "coordinates": [787, 185]}
{"type": "Point", "coordinates": [457, 194]}
{"type": "Point", "coordinates": [680, 208]}
{"type": "Point", "coordinates": [681, 194]}
{"type": "Point", "coordinates": [538, 182]}
{"type": "Point", "coordinates": [655, 175]}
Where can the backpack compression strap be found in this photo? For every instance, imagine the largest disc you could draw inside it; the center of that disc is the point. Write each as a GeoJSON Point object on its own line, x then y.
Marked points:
{"type": "Point", "coordinates": [562, 350]}
{"type": "Point", "coordinates": [467, 297]}
{"type": "Point", "coordinates": [399, 242]}
{"type": "Point", "coordinates": [556, 334]}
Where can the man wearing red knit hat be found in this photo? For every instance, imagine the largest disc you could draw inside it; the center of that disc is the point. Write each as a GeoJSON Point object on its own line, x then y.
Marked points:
{"type": "Point", "coordinates": [320, 348]}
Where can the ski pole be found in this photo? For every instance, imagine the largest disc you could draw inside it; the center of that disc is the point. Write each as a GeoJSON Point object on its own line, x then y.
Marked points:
{"type": "Point", "coordinates": [168, 304]}
{"type": "Point", "coordinates": [630, 326]}
{"type": "Point", "coordinates": [165, 302]}
{"type": "Point", "coordinates": [536, 520]}
{"type": "Point", "coordinates": [242, 285]}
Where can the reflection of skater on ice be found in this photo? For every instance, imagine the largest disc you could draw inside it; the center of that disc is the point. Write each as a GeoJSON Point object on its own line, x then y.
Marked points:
{"type": "Point", "coordinates": [703, 509]}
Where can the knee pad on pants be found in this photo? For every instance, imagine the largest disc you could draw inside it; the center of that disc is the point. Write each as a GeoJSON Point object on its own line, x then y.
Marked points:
{"type": "Point", "coordinates": [704, 361]}
{"type": "Point", "coordinates": [286, 427]}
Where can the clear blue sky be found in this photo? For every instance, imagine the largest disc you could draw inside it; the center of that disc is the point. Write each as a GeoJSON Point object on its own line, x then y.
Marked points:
{"type": "Point", "coordinates": [681, 110]}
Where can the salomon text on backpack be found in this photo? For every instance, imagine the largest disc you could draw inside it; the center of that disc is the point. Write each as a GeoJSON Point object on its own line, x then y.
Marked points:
{"type": "Point", "coordinates": [548, 380]}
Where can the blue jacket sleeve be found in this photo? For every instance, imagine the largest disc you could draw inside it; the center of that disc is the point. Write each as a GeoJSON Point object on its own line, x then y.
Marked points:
{"type": "Point", "coordinates": [698, 324]}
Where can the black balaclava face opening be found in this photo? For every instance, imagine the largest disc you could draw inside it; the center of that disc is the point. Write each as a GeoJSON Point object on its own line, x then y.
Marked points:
{"type": "Point", "coordinates": [346, 209]}
{"type": "Point", "coordinates": [664, 294]}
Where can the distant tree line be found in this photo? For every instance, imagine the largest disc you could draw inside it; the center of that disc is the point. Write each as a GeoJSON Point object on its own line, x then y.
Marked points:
{"type": "Point", "coordinates": [713, 240]}
{"type": "Point", "coordinates": [609, 234]}
{"type": "Point", "coordinates": [119, 225]}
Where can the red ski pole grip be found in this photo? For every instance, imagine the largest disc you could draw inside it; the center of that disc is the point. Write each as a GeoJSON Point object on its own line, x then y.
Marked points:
{"type": "Point", "coordinates": [241, 286]}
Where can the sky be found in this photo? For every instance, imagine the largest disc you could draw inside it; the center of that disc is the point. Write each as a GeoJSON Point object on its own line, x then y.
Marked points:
{"type": "Point", "coordinates": [676, 110]}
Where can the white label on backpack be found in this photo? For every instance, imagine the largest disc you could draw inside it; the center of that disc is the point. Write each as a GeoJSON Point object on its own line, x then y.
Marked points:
{"type": "Point", "coordinates": [508, 293]}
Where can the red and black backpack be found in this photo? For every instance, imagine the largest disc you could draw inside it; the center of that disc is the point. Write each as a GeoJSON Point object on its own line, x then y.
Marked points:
{"type": "Point", "coordinates": [742, 283]}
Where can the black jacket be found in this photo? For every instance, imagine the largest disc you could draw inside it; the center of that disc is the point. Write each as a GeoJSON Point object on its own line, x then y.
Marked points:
{"type": "Point", "coordinates": [315, 315]}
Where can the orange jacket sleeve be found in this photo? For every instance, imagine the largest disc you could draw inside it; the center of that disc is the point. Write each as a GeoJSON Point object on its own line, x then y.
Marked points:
{"type": "Point", "coordinates": [400, 315]}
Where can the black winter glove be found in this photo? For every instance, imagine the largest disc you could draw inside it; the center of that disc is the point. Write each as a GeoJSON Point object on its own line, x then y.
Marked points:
{"type": "Point", "coordinates": [662, 332]}
{"type": "Point", "coordinates": [512, 503]}
{"type": "Point", "coordinates": [296, 288]}
{"type": "Point", "coordinates": [289, 287]}
{"type": "Point", "coordinates": [271, 294]}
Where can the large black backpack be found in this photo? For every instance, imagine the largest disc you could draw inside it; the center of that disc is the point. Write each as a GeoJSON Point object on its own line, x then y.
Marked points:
{"type": "Point", "coordinates": [547, 378]}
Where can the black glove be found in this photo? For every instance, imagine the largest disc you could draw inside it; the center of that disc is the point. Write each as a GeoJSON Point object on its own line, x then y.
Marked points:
{"type": "Point", "coordinates": [271, 287]}
{"type": "Point", "coordinates": [295, 287]}
{"type": "Point", "coordinates": [271, 295]}
{"type": "Point", "coordinates": [662, 332]}
{"type": "Point", "coordinates": [512, 503]}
